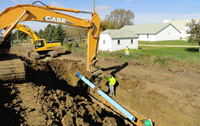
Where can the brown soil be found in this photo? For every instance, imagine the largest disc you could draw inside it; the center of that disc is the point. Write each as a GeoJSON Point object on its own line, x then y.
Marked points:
{"type": "Point", "coordinates": [168, 96]}
{"type": "Point", "coordinates": [54, 95]}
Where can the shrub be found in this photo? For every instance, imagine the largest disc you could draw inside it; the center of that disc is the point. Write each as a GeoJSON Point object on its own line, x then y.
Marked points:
{"type": "Point", "coordinates": [68, 46]}
{"type": "Point", "coordinates": [75, 44]}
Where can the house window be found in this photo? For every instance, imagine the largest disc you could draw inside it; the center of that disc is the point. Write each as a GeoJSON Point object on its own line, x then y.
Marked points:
{"type": "Point", "coordinates": [131, 41]}
{"type": "Point", "coordinates": [118, 42]}
{"type": "Point", "coordinates": [104, 41]}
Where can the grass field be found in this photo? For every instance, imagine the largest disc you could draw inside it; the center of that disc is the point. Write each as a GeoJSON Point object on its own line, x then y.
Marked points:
{"type": "Point", "coordinates": [166, 56]}
{"type": "Point", "coordinates": [176, 53]}
{"type": "Point", "coordinates": [170, 52]}
{"type": "Point", "coordinates": [151, 55]}
{"type": "Point", "coordinates": [144, 54]}
{"type": "Point", "coordinates": [173, 42]}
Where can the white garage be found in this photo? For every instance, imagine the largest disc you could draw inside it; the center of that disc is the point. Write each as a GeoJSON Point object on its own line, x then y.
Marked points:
{"type": "Point", "coordinates": [113, 40]}
{"type": "Point", "coordinates": [154, 32]}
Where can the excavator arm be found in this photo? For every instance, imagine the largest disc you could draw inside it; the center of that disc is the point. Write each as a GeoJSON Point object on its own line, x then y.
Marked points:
{"type": "Point", "coordinates": [31, 12]}
{"type": "Point", "coordinates": [28, 31]}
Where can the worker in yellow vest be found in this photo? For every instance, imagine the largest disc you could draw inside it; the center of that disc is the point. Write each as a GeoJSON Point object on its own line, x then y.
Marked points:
{"type": "Point", "coordinates": [127, 51]}
{"type": "Point", "coordinates": [111, 82]}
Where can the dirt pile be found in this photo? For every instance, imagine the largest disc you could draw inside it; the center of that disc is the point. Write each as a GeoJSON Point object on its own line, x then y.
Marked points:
{"type": "Point", "coordinates": [53, 95]}
{"type": "Point", "coordinates": [55, 107]}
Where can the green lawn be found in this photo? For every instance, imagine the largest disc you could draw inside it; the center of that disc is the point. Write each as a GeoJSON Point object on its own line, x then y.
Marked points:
{"type": "Point", "coordinates": [173, 42]}
{"type": "Point", "coordinates": [166, 56]}
{"type": "Point", "coordinates": [146, 53]}
{"type": "Point", "coordinates": [170, 52]}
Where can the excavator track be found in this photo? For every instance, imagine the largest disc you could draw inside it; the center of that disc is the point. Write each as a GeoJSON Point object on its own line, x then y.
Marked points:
{"type": "Point", "coordinates": [11, 68]}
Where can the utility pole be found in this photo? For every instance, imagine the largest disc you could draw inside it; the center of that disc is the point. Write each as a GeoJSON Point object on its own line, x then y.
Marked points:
{"type": "Point", "coordinates": [93, 5]}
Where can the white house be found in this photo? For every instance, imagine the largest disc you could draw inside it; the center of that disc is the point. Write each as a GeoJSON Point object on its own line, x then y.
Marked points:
{"type": "Point", "coordinates": [181, 25]}
{"type": "Point", "coordinates": [113, 40]}
{"type": "Point", "coordinates": [154, 32]}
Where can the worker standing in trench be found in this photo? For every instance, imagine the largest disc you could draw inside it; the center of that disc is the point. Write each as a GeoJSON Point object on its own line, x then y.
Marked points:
{"type": "Point", "coordinates": [111, 82]}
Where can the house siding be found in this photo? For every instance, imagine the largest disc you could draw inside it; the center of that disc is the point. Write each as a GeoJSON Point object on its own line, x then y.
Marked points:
{"type": "Point", "coordinates": [112, 44]}
{"type": "Point", "coordinates": [123, 44]}
{"type": "Point", "coordinates": [169, 33]}
{"type": "Point", "coordinates": [107, 45]}
{"type": "Point", "coordinates": [147, 37]}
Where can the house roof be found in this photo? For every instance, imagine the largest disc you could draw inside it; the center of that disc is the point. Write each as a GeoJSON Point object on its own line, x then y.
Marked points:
{"type": "Point", "coordinates": [145, 29]}
{"type": "Point", "coordinates": [118, 33]}
{"type": "Point", "coordinates": [180, 24]}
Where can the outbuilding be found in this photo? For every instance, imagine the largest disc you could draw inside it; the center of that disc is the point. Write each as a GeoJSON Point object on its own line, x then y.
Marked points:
{"type": "Point", "coordinates": [154, 32]}
{"type": "Point", "coordinates": [113, 40]}
{"type": "Point", "coordinates": [181, 25]}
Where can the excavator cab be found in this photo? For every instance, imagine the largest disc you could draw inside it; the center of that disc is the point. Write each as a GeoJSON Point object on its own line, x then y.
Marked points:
{"type": "Point", "coordinates": [39, 43]}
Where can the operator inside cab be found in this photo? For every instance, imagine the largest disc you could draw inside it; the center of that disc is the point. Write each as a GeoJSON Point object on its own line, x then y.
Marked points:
{"type": "Point", "coordinates": [39, 44]}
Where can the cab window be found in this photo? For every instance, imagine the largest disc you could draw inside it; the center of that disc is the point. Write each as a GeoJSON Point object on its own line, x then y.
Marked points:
{"type": "Point", "coordinates": [39, 43]}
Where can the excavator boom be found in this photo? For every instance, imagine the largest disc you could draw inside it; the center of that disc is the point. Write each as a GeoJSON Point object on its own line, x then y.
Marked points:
{"type": "Point", "coordinates": [31, 12]}
{"type": "Point", "coordinates": [28, 31]}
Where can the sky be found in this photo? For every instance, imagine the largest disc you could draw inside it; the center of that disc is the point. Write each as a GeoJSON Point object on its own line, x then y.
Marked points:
{"type": "Point", "coordinates": [145, 11]}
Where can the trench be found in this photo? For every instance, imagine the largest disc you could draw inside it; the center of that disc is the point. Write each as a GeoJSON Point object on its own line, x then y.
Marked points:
{"type": "Point", "coordinates": [53, 95]}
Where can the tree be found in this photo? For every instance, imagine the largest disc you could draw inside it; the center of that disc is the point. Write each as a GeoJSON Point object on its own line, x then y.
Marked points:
{"type": "Point", "coordinates": [46, 33]}
{"type": "Point", "coordinates": [51, 31]}
{"type": "Point", "coordinates": [36, 32]}
{"type": "Point", "coordinates": [105, 25]}
{"type": "Point", "coordinates": [59, 34]}
{"type": "Point", "coordinates": [118, 18]}
{"type": "Point", "coordinates": [194, 31]}
{"type": "Point", "coordinates": [76, 32]}
{"type": "Point", "coordinates": [19, 35]}
{"type": "Point", "coordinates": [40, 34]}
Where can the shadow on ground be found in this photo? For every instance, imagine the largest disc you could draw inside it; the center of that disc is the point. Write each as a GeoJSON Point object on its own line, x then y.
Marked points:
{"type": "Point", "coordinates": [192, 50]}
{"type": "Point", "coordinates": [116, 69]}
{"type": "Point", "coordinates": [9, 117]}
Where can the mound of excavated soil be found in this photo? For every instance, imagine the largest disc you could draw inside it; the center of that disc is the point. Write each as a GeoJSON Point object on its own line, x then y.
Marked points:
{"type": "Point", "coordinates": [39, 106]}
{"type": "Point", "coordinates": [53, 95]}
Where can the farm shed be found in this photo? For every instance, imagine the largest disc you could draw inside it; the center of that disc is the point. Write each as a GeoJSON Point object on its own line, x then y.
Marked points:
{"type": "Point", "coordinates": [154, 32]}
{"type": "Point", "coordinates": [181, 25]}
{"type": "Point", "coordinates": [113, 40]}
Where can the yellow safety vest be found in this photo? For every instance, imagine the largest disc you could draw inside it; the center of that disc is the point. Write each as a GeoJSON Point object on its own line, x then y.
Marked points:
{"type": "Point", "coordinates": [126, 49]}
{"type": "Point", "coordinates": [111, 81]}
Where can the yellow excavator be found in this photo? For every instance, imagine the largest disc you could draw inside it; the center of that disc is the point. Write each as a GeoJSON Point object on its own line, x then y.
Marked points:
{"type": "Point", "coordinates": [41, 47]}
{"type": "Point", "coordinates": [10, 18]}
